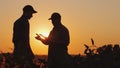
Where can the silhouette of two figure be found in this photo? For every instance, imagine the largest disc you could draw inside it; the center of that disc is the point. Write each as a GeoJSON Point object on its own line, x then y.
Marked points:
{"type": "Point", "coordinates": [58, 40]}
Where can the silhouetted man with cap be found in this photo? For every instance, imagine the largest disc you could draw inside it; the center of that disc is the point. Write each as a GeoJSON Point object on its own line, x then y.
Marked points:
{"type": "Point", "coordinates": [58, 40]}
{"type": "Point", "coordinates": [22, 50]}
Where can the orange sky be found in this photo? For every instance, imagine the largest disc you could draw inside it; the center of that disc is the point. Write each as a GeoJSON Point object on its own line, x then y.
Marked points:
{"type": "Point", "coordinates": [85, 19]}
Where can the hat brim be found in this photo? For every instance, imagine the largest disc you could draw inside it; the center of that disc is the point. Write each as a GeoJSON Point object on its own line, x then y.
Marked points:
{"type": "Point", "coordinates": [49, 18]}
{"type": "Point", "coordinates": [34, 11]}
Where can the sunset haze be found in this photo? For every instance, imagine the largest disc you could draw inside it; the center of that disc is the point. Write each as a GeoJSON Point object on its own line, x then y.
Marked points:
{"type": "Point", "coordinates": [85, 19]}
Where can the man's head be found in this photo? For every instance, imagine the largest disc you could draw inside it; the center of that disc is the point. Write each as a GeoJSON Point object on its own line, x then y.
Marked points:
{"type": "Point", "coordinates": [55, 16]}
{"type": "Point", "coordinates": [56, 19]}
{"type": "Point", "coordinates": [28, 10]}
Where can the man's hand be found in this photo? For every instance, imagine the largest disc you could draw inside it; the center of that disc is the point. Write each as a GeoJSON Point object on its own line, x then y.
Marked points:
{"type": "Point", "coordinates": [38, 37]}
{"type": "Point", "coordinates": [41, 38]}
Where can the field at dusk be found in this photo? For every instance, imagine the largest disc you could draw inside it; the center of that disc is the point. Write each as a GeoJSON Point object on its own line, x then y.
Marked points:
{"type": "Point", "coordinates": [93, 27]}
{"type": "Point", "coordinates": [106, 56]}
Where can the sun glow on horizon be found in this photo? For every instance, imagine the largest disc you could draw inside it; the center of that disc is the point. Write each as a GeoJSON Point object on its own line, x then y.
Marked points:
{"type": "Point", "coordinates": [98, 19]}
{"type": "Point", "coordinates": [37, 46]}
{"type": "Point", "coordinates": [45, 34]}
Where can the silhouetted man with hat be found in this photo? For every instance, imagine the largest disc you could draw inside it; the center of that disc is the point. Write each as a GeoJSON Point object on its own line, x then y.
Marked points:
{"type": "Point", "coordinates": [22, 50]}
{"type": "Point", "coordinates": [58, 40]}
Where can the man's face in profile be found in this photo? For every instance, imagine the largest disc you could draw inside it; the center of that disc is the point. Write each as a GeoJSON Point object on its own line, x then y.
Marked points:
{"type": "Point", "coordinates": [29, 15]}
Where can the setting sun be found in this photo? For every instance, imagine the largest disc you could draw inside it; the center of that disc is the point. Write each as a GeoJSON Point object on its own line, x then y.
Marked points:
{"type": "Point", "coordinates": [43, 30]}
{"type": "Point", "coordinates": [45, 34]}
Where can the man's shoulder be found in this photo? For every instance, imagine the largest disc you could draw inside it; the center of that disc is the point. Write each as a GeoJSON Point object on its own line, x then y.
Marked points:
{"type": "Point", "coordinates": [20, 21]}
{"type": "Point", "coordinates": [64, 28]}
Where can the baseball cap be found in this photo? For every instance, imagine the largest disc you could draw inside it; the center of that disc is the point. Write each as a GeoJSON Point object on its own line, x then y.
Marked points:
{"type": "Point", "coordinates": [28, 8]}
{"type": "Point", "coordinates": [55, 16]}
